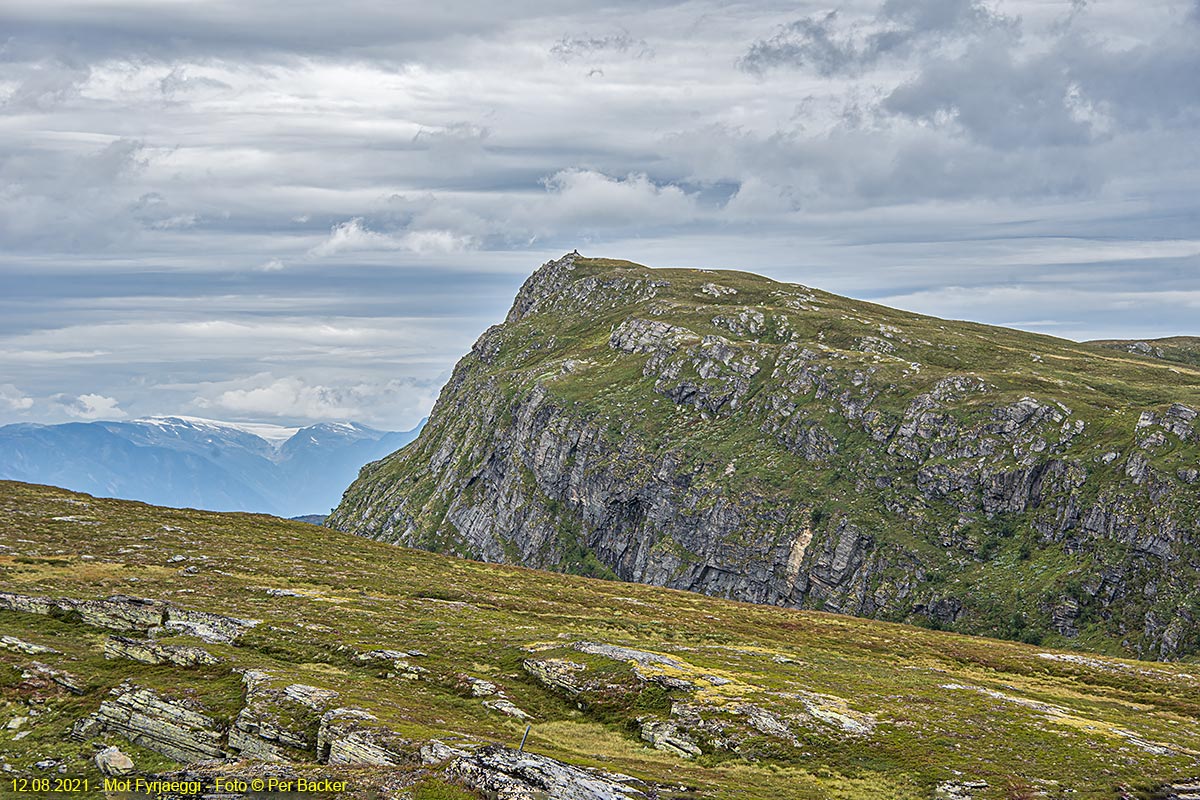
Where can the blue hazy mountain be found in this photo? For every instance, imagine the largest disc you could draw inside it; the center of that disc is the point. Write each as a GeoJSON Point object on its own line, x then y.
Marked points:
{"type": "Point", "coordinates": [199, 463]}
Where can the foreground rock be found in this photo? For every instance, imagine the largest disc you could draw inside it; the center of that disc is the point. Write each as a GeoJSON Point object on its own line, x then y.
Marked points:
{"type": "Point", "coordinates": [28, 648]}
{"type": "Point", "coordinates": [707, 712]}
{"type": "Point", "coordinates": [507, 774]}
{"type": "Point", "coordinates": [113, 763]}
{"type": "Point", "coordinates": [351, 736]}
{"type": "Point", "coordinates": [173, 728]}
{"type": "Point", "coordinates": [278, 724]}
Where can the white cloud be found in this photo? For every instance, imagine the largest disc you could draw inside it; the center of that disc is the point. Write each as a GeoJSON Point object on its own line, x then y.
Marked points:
{"type": "Point", "coordinates": [354, 236]}
{"type": "Point", "coordinates": [351, 236]}
{"type": "Point", "coordinates": [271, 265]}
{"type": "Point", "coordinates": [265, 396]}
{"type": "Point", "coordinates": [287, 397]}
{"type": "Point", "coordinates": [91, 406]}
{"type": "Point", "coordinates": [14, 399]}
{"type": "Point", "coordinates": [594, 199]}
{"type": "Point", "coordinates": [436, 241]}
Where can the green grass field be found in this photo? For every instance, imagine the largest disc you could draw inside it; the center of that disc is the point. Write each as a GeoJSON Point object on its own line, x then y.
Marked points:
{"type": "Point", "coordinates": [867, 709]}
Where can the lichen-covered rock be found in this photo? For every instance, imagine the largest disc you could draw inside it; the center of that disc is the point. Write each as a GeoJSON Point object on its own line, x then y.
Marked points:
{"type": "Point", "coordinates": [257, 733]}
{"type": "Point", "coordinates": [113, 763]}
{"type": "Point", "coordinates": [506, 774]}
{"type": "Point", "coordinates": [665, 735]}
{"type": "Point", "coordinates": [958, 790]}
{"type": "Point", "coordinates": [149, 651]}
{"type": "Point", "coordinates": [122, 613]}
{"type": "Point", "coordinates": [1181, 790]}
{"type": "Point", "coordinates": [118, 612]}
{"type": "Point", "coordinates": [479, 687]}
{"type": "Point", "coordinates": [38, 670]}
{"type": "Point", "coordinates": [279, 724]}
{"type": "Point", "coordinates": [22, 646]}
{"type": "Point", "coordinates": [27, 604]}
{"type": "Point", "coordinates": [206, 625]}
{"type": "Point", "coordinates": [175, 728]}
{"type": "Point", "coordinates": [556, 673]}
{"type": "Point", "coordinates": [381, 655]}
{"type": "Point", "coordinates": [506, 707]}
{"type": "Point", "coordinates": [349, 736]}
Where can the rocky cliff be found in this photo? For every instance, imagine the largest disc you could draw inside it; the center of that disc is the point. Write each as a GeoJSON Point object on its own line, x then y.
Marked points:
{"type": "Point", "coordinates": [727, 434]}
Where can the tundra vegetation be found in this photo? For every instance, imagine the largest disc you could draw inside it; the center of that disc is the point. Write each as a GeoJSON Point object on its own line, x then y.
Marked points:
{"type": "Point", "coordinates": [194, 645]}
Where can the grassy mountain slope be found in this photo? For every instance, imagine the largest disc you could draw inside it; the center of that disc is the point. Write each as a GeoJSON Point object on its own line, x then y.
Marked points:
{"type": "Point", "coordinates": [729, 434]}
{"type": "Point", "coordinates": [777, 702]}
{"type": "Point", "coordinates": [1180, 349]}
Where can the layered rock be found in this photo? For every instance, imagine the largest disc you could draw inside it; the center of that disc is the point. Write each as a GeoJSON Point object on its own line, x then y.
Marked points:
{"type": "Point", "coordinates": [175, 728]}
{"type": "Point", "coordinates": [206, 625]}
{"type": "Point", "coordinates": [22, 646]}
{"type": "Point", "coordinates": [118, 612]}
{"type": "Point", "coordinates": [123, 613]}
{"type": "Point", "coordinates": [508, 774]}
{"type": "Point", "coordinates": [151, 652]}
{"type": "Point", "coordinates": [704, 712]}
{"type": "Point", "coordinates": [350, 736]}
{"type": "Point", "coordinates": [278, 724]}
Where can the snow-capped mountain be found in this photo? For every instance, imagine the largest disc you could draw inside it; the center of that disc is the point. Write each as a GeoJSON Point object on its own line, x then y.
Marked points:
{"type": "Point", "coordinates": [199, 463]}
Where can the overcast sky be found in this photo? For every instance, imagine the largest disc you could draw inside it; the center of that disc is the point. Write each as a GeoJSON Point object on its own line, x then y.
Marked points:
{"type": "Point", "coordinates": [291, 211]}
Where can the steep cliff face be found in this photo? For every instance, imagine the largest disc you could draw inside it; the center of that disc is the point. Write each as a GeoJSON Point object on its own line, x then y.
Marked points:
{"type": "Point", "coordinates": [727, 434]}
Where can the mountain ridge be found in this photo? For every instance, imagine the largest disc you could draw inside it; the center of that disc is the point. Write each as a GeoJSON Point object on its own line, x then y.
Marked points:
{"type": "Point", "coordinates": [729, 434]}
{"type": "Point", "coordinates": [1180, 349]}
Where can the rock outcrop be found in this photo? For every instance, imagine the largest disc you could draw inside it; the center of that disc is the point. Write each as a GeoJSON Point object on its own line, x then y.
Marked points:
{"type": "Point", "coordinates": [123, 613]}
{"type": "Point", "coordinates": [22, 646]}
{"type": "Point", "coordinates": [766, 442]}
{"type": "Point", "coordinates": [113, 763]}
{"type": "Point", "coordinates": [350, 736]}
{"type": "Point", "coordinates": [507, 774]}
{"type": "Point", "coordinates": [148, 651]}
{"type": "Point", "coordinates": [175, 728]}
{"type": "Point", "coordinates": [118, 612]}
{"type": "Point", "coordinates": [278, 724]}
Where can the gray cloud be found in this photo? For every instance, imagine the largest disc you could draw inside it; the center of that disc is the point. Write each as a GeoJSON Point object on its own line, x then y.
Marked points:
{"type": "Point", "coordinates": [178, 82]}
{"type": "Point", "coordinates": [999, 100]}
{"type": "Point", "coordinates": [1081, 90]}
{"type": "Point", "coordinates": [809, 41]}
{"type": "Point", "coordinates": [286, 211]}
{"type": "Point", "coordinates": [569, 48]}
{"type": "Point", "coordinates": [277, 29]}
{"type": "Point", "coordinates": [899, 27]}
{"type": "Point", "coordinates": [43, 85]}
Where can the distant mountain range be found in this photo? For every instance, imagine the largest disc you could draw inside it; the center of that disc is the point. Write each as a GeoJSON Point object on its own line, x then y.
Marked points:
{"type": "Point", "coordinates": [199, 463]}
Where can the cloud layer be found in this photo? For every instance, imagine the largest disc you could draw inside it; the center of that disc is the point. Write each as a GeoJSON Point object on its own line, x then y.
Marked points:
{"type": "Point", "coordinates": [293, 211]}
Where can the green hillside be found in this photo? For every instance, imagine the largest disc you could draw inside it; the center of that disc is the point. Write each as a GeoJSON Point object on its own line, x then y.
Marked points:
{"type": "Point", "coordinates": [694, 697]}
{"type": "Point", "coordinates": [1180, 349]}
